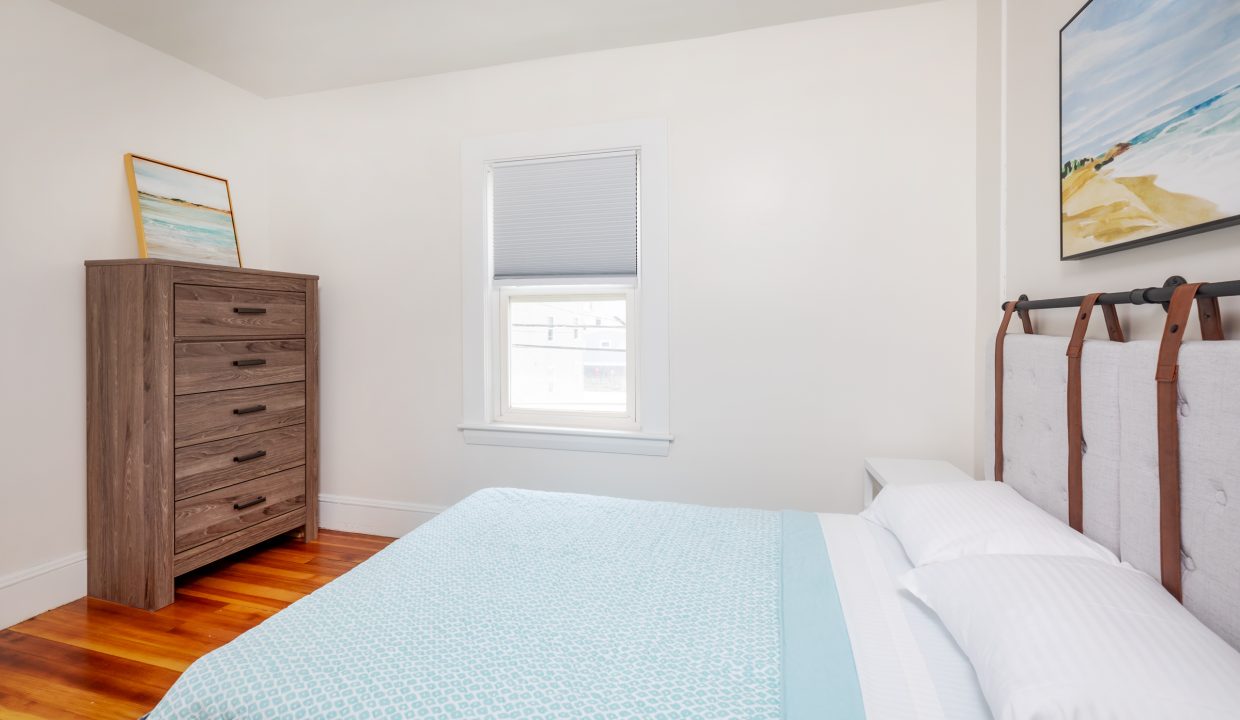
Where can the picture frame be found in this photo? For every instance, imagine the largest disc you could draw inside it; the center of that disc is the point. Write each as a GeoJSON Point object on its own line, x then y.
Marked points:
{"type": "Point", "coordinates": [1143, 88]}
{"type": "Point", "coordinates": [181, 214]}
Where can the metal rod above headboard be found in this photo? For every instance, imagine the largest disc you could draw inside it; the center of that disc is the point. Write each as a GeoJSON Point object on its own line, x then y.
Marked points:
{"type": "Point", "coordinates": [1142, 296]}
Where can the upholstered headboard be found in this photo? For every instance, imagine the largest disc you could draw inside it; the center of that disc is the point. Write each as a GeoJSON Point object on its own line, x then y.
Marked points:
{"type": "Point", "coordinates": [1120, 463]}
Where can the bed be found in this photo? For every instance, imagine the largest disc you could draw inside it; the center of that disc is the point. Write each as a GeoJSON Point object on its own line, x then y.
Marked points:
{"type": "Point", "coordinates": [521, 604]}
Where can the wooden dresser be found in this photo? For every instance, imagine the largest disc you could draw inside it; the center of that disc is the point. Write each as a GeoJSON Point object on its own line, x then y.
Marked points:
{"type": "Point", "coordinates": [201, 419]}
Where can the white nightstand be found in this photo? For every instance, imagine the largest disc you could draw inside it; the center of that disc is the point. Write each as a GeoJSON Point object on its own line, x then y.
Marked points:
{"type": "Point", "coordinates": [881, 472]}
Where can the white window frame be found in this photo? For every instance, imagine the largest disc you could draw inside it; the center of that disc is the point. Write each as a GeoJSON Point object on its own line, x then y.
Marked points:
{"type": "Point", "coordinates": [485, 422]}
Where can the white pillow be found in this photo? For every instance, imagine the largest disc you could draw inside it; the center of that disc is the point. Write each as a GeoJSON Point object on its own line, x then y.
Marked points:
{"type": "Point", "coordinates": [942, 521]}
{"type": "Point", "coordinates": [1064, 637]}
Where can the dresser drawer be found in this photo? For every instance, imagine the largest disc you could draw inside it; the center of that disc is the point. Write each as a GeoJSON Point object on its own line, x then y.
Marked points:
{"type": "Point", "coordinates": [204, 417]}
{"type": "Point", "coordinates": [207, 366]}
{"type": "Point", "coordinates": [208, 516]}
{"type": "Point", "coordinates": [213, 465]}
{"type": "Point", "coordinates": [205, 311]}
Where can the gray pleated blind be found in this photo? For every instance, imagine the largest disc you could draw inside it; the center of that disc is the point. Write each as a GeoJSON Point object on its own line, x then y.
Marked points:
{"type": "Point", "coordinates": [573, 216]}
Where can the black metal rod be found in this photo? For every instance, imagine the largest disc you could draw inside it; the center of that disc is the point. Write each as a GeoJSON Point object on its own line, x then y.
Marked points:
{"type": "Point", "coordinates": [1229, 288]}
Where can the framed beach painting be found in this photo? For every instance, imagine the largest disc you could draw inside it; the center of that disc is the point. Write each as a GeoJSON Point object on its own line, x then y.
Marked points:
{"type": "Point", "coordinates": [181, 214]}
{"type": "Point", "coordinates": [1149, 122]}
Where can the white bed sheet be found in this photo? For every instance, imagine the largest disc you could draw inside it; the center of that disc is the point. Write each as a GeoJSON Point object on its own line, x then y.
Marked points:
{"type": "Point", "coordinates": [908, 666]}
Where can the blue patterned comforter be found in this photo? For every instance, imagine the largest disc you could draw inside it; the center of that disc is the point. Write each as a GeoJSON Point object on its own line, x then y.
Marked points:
{"type": "Point", "coordinates": [518, 604]}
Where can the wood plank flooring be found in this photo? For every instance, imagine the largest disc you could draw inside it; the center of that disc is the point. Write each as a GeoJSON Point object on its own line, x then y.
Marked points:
{"type": "Point", "coordinates": [94, 659]}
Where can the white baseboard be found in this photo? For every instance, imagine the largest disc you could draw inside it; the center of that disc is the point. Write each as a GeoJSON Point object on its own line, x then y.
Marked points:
{"type": "Point", "coordinates": [373, 517]}
{"type": "Point", "coordinates": [27, 593]}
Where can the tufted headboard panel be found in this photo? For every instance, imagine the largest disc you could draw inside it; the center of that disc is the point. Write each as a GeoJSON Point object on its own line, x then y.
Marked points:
{"type": "Point", "coordinates": [1120, 464]}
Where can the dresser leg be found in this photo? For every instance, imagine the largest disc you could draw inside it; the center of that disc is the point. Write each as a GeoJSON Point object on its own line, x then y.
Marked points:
{"type": "Point", "coordinates": [162, 595]}
{"type": "Point", "coordinates": [306, 533]}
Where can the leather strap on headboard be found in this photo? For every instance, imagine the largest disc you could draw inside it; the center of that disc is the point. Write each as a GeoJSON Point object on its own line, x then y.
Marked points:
{"type": "Point", "coordinates": [1076, 344]}
{"type": "Point", "coordinates": [1211, 320]}
{"type": "Point", "coordinates": [1008, 309]}
{"type": "Point", "coordinates": [1167, 377]}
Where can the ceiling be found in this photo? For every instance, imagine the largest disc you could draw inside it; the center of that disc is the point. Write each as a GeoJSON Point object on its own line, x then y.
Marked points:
{"type": "Point", "coordinates": [285, 47]}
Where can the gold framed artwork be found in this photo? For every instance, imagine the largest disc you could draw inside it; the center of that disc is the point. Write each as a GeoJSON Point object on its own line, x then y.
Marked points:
{"type": "Point", "coordinates": [181, 214]}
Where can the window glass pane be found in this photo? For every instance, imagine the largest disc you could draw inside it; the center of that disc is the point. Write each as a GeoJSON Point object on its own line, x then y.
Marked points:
{"type": "Point", "coordinates": [568, 355]}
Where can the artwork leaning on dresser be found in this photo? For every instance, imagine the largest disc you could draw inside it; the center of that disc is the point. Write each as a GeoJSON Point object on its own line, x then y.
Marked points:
{"type": "Point", "coordinates": [201, 419]}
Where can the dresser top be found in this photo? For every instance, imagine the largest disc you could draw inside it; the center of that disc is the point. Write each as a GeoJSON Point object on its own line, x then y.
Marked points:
{"type": "Point", "coordinates": [200, 266]}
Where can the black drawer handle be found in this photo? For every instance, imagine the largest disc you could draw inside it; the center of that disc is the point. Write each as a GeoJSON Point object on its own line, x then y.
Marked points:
{"type": "Point", "coordinates": [249, 363]}
{"type": "Point", "coordinates": [251, 456]}
{"type": "Point", "coordinates": [248, 410]}
{"type": "Point", "coordinates": [249, 503]}
{"type": "Point", "coordinates": [250, 311]}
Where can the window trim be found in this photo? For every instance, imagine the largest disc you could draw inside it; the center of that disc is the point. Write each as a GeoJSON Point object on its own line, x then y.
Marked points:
{"type": "Point", "coordinates": [650, 433]}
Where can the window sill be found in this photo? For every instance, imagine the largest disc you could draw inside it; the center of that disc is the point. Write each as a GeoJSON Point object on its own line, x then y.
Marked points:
{"type": "Point", "coordinates": [555, 438]}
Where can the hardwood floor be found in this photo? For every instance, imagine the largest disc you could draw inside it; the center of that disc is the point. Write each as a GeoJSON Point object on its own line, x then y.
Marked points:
{"type": "Point", "coordinates": [94, 659]}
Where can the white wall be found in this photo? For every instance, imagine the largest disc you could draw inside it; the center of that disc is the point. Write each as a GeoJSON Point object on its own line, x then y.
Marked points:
{"type": "Point", "coordinates": [989, 212]}
{"type": "Point", "coordinates": [76, 97]}
{"type": "Point", "coordinates": [1031, 230]}
{"type": "Point", "coordinates": [822, 197]}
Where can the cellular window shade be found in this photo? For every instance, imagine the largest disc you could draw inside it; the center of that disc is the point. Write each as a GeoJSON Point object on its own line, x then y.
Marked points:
{"type": "Point", "coordinates": [573, 216]}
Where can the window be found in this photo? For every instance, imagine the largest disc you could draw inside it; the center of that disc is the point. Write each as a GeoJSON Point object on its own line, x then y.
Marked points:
{"type": "Point", "coordinates": [566, 357]}
{"type": "Point", "coordinates": [564, 248]}
{"type": "Point", "coordinates": [565, 277]}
